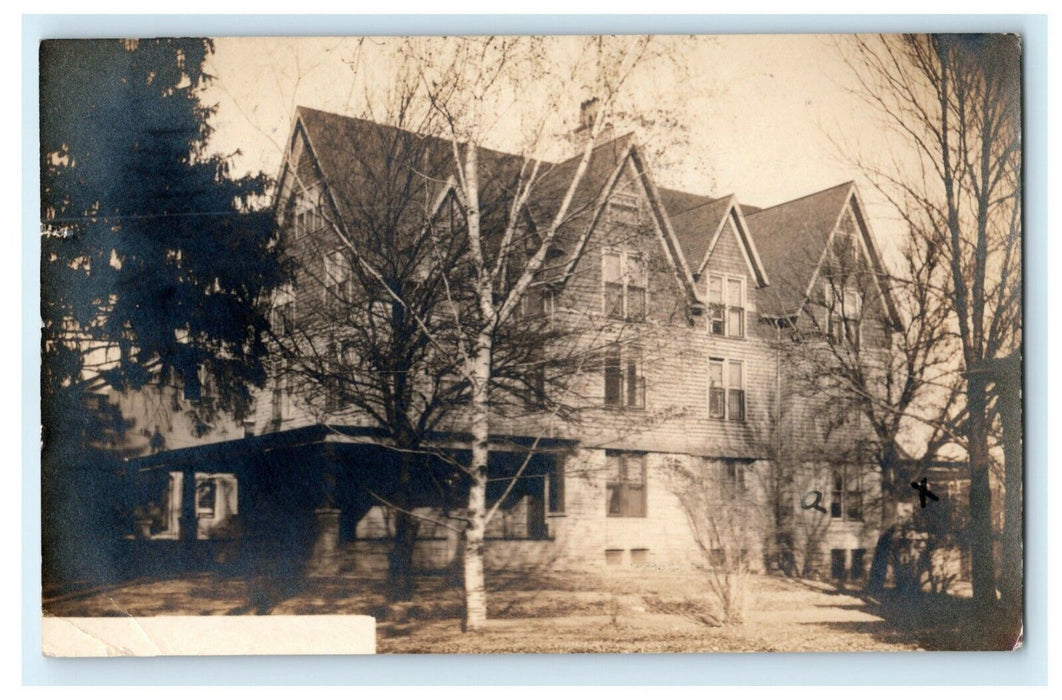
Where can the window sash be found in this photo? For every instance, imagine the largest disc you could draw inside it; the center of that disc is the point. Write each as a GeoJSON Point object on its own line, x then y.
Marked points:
{"type": "Point", "coordinates": [635, 379]}
{"type": "Point", "coordinates": [625, 378]}
{"type": "Point", "coordinates": [726, 389]}
{"type": "Point", "coordinates": [736, 407]}
{"type": "Point", "coordinates": [625, 284]}
{"type": "Point", "coordinates": [716, 390]}
{"type": "Point", "coordinates": [846, 496]}
{"type": "Point", "coordinates": [614, 300]}
{"type": "Point", "coordinates": [626, 487]}
{"type": "Point", "coordinates": [613, 379]}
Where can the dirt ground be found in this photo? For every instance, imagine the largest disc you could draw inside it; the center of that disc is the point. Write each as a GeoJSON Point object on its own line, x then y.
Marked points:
{"type": "Point", "coordinates": [630, 611]}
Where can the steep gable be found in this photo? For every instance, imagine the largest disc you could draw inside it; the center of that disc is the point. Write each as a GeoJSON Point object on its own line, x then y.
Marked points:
{"type": "Point", "coordinates": [629, 175]}
{"type": "Point", "coordinates": [793, 239]}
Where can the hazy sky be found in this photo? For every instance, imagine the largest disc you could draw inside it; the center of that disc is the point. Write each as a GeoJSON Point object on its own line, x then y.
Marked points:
{"type": "Point", "coordinates": [759, 111]}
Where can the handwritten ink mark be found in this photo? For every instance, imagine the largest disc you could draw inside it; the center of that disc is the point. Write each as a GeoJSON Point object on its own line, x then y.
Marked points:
{"type": "Point", "coordinates": [923, 491]}
{"type": "Point", "coordinates": [814, 504]}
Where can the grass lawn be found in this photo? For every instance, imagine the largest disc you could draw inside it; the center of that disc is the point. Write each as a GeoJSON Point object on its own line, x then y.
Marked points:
{"type": "Point", "coordinates": [647, 611]}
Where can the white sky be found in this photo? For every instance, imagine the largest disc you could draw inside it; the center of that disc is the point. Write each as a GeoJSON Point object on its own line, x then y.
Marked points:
{"type": "Point", "coordinates": [760, 112]}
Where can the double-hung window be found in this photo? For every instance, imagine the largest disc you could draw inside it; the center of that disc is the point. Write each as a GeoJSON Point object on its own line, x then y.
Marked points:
{"type": "Point", "coordinates": [844, 309]}
{"type": "Point", "coordinates": [625, 283]}
{"type": "Point", "coordinates": [308, 216]}
{"type": "Point", "coordinates": [537, 302]}
{"type": "Point", "coordinates": [846, 494]}
{"type": "Point", "coordinates": [336, 278]}
{"type": "Point", "coordinates": [624, 378]}
{"type": "Point", "coordinates": [726, 389]}
{"type": "Point", "coordinates": [625, 484]}
{"type": "Point", "coordinates": [726, 306]}
{"type": "Point", "coordinates": [283, 309]}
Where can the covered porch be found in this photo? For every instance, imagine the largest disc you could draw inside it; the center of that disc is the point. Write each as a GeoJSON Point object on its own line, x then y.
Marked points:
{"type": "Point", "coordinates": [320, 501]}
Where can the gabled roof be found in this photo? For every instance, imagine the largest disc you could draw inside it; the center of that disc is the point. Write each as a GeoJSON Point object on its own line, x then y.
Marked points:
{"type": "Point", "coordinates": [791, 238]}
{"type": "Point", "coordinates": [333, 142]}
{"type": "Point", "coordinates": [695, 225]}
{"type": "Point", "coordinates": [698, 221]}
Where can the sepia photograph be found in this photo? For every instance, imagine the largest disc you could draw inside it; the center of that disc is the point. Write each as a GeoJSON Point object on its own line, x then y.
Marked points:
{"type": "Point", "coordinates": [533, 344]}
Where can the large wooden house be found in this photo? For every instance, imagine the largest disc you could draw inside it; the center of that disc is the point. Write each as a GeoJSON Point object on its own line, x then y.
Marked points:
{"type": "Point", "coordinates": [702, 296]}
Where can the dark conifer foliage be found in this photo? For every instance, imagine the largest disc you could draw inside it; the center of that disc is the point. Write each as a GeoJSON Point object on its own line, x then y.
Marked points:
{"type": "Point", "coordinates": [150, 248]}
{"type": "Point", "coordinates": [154, 259]}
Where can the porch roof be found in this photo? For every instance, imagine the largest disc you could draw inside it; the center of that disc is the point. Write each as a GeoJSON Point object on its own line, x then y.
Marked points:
{"type": "Point", "coordinates": [314, 435]}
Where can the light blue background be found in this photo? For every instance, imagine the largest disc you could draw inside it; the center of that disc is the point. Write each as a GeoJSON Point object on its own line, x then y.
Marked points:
{"type": "Point", "coordinates": [1026, 666]}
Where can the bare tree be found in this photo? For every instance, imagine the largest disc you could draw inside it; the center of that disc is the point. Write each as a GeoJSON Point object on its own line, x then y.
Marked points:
{"type": "Point", "coordinates": [872, 351]}
{"type": "Point", "coordinates": [954, 102]}
{"type": "Point", "coordinates": [442, 267]}
{"type": "Point", "coordinates": [506, 255]}
{"type": "Point", "coordinates": [725, 524]}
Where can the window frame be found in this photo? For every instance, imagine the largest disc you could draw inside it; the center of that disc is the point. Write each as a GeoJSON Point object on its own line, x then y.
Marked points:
{"type": "Point", "coordinates": [282, 313]}
{"type": "Point", "coordinates": [725, 306]}
{"type": "Point", "coordinates": [307, 217]}
{"type": "Point", "coordinates": [841, 499]}
{"type": "Point", "coordinates": [724, 365]}
{"type": "Point", "coordinates": [842, 326]}
{"type": "Point", "coordinates": [625, 365]}
{"type": "Point", "coordinates": [624, 284]}
{"type": "Point", "coordinates": [336, 289]}
{"type": "Point", "coordinates": [618, 491]}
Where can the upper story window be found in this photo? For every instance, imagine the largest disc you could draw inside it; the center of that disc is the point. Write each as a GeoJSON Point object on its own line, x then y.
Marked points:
{"type": "Point", "coordinates": [624, 378]}
{"type": "Point", "coordinates": [308, 216]}
{"type": "Point", "coordinates": [624, 208]}
{"type": "Point", "coordinates": [625, 486]}
{"type": "Point", "coordinates": [726, 306]}
{"type": "Point", "coordinates": [283, 313]}
{"type": "Point", "coordinates": [537, 302]}
{"type": "Point", "coordinates": [726, 389]}
{"type": "Point", "coordinates": [625, 280]}
{"type": "Point", "coordinates": [846, 494]}
{"type": "Point", "coordinates": [844, 310]}
{"type": "Point", "coordinates": [337, 276]}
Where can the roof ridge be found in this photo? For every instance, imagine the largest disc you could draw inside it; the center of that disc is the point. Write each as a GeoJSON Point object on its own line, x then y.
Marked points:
{"type": "Point", "coordinates": [806, 196]}
{"type": "Point", "coordinates": [709, 203]}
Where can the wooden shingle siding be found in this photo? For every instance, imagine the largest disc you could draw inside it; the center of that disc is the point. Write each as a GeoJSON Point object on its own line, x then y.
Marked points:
{"type": "Point", "coordinates": [674, 426]}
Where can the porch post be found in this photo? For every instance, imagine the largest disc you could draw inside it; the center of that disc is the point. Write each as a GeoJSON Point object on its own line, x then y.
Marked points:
{"type": "Point", "coordinates": [324, 560]}
{"type": "Point", "coordinates": [188, 526]}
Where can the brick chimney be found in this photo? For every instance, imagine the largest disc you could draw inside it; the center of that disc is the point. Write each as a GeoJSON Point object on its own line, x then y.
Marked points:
{"type": "Point", "coordinates": [589, 113]}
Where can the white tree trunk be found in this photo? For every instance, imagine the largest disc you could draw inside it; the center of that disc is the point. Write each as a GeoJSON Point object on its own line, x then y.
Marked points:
{"type": "Point", "coordinates": [475, 531]}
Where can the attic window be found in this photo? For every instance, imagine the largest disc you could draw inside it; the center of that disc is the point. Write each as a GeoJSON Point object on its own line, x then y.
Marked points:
{"type": "Point", "coordinates": [726, 306]}
{"type": "Point", "coordinates": [624, 208]}
{"type": "Point", "coordinates": [625, 281]}
{"type": "Point", "coordinates": [844, 310]}
{"type": "Point", "coordinates": [308, 216]}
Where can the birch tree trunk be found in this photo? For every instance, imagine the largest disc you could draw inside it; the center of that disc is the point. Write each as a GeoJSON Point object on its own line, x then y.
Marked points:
{"type": "Point", "coordinates": [475, 530]}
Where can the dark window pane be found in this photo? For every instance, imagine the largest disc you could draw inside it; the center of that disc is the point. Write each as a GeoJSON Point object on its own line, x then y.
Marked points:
{"type": "Point", "coordinates": [716, 399]}
{"type": "Point", "coordinates": [614, 300]}
{"type": "Point", "coordinates": [207, 494]}
{"type": "Point", "coordinates": [556, 488]}
{"type": "Point", "coordinates": [635, 394]}
{"type": "Point", "coordinates": [737, 404]}
{"type": "Point", "coordinates": [613, 379]}
{"type": "Point", "coordinates": [858, 564]}
{"type": "Point", "coordinates": [716, 324]}
{"type": "Point", "coordinates": [636, 297]}
{"type": "Point", "coordinates": [837, 563]}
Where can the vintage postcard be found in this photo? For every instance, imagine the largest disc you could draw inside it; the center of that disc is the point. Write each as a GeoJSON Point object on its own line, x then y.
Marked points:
{"type": "Point", "coordinates": [509, 344]}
